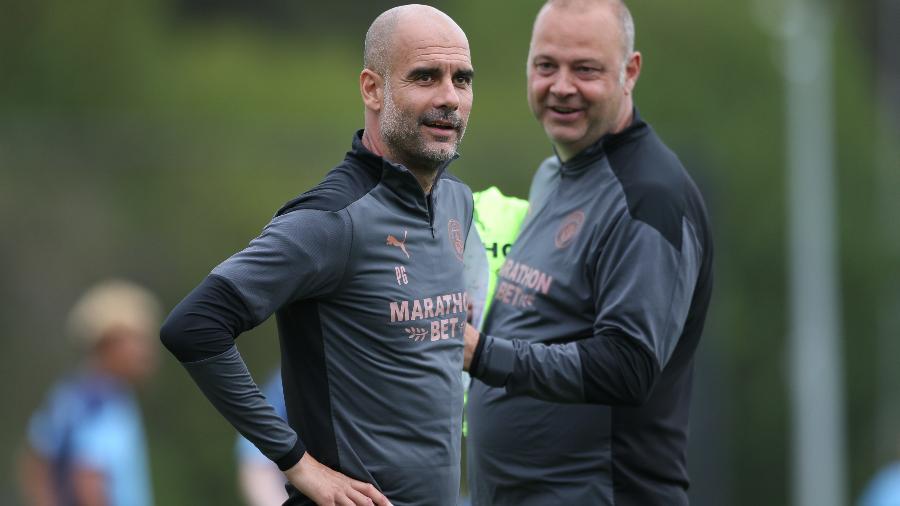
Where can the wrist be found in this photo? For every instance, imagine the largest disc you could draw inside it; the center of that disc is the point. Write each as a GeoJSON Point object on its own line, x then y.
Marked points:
{"type": "Point", "coordinates": [291, 458]}
{"type": "Point", "coordinates": [476, 355]}
{"type": "Point", "coordinates": [496, 361]}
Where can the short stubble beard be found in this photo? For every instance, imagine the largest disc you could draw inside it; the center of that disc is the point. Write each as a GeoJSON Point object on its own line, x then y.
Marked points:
{"type": "Point", "coordinates": [400, 132]}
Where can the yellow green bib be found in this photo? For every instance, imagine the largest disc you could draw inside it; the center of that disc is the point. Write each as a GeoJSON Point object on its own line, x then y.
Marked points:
{"type": "Point", "coordinates": [497, 219]}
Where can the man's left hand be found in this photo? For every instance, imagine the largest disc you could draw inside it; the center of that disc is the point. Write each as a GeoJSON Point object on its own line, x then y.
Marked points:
{"type": "Point", "coordinates": [470, 337]}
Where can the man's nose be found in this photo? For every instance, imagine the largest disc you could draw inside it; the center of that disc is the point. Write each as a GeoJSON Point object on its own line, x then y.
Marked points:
{"type": "Point", "coordinates": [562, 85]}
{"type": "Point", "coordinates": [447, 96]}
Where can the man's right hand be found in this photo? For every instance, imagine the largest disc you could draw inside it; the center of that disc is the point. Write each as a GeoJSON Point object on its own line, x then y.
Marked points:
{"type": "Point", "coordinates": [328, 487]}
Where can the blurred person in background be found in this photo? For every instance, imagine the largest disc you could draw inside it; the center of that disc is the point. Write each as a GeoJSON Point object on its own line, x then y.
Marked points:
{"type": "Point", "coordinates": [85, 446]}
{"type": "Point", "coordinates": [582, 378]}
{"type": "Point", "coordinates": [260, 480]}
{"type": "Point", "coordinates": [365, 275]}
{"type": "Point", "coordinates": [884, 488]}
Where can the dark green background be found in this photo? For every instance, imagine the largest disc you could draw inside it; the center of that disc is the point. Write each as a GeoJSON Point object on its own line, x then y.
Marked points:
{"type": "Point", "coordinates": [151, 139]}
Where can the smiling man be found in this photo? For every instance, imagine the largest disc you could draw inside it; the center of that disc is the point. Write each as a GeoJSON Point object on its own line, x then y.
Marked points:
{"type": "Point", "coordinates": [365, 275]}
{"type": "Point", "coordinates": [583, 373]}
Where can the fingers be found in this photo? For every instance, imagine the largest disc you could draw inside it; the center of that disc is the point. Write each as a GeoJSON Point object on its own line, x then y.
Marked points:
{"type": "Point", "coordinates": [358, 498]}
{"type": "Point", "coordinates": [369, 490]}
{"type": "Point", "coordinates": [327, 486]}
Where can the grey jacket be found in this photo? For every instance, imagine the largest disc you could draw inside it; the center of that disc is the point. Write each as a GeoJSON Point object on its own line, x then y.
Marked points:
{"type": "Point", "coordinates": [365, 275]}
{"type": "Point", "coordinates": [583, 379]}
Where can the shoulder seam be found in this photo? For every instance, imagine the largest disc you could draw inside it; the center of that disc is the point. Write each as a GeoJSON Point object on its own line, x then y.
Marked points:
{"type": "Point", "coordinates": [632, 213]}
{"type": "Point", "coordinates": [287, 209]}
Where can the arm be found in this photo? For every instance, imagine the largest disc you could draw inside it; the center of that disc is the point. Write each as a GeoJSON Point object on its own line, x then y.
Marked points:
{"type": "Point", "coordinates": [642, 291]}
{"type": "Point", "coordinates": [89, 487]}
{"type": "Point", "coordinates": [35, 479]}
{"type": "Point", "coordinates": [289, 261]}
{"type": "Point", "coordinates": [260, 480]}
{"type": "Point", "coordinates": [600, 369]}
{"type": "Point", "coordinates": [200, 332]}
{"type": "Point", "coordinates": [38, 489]}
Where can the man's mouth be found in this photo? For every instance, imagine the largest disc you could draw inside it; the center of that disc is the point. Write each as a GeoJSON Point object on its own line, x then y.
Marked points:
{"type": "Point", "coordinates": [564, 110]}
{"type": "Point", "coordinates": [445, 125]}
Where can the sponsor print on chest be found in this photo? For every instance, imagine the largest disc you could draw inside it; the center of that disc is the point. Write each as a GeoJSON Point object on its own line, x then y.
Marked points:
{"type": "Point", "coordinates": [433, 317]}
{"type": "Point", "coordinates": [519, 282]}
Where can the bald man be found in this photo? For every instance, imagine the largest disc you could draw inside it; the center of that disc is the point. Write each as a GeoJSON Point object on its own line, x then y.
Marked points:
{"type": "Point", "coordinates": [365, 275]}
{"type": "Point", "coordinates": [583, 375]}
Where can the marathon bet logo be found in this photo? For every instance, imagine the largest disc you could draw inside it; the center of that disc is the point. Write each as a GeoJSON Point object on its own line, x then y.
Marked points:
{"type": "Point", "coordinates": [447, 314]}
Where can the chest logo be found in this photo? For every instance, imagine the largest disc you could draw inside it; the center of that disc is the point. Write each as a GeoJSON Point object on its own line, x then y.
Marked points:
{"type": "Point", "coordinates": [569, 228]}
{"type": "Point", "coordinates": [454, 229]}
{"type": "Point", "coordinates": [397, 243]}
{"type": "Point", "coordinates": [434, 318]}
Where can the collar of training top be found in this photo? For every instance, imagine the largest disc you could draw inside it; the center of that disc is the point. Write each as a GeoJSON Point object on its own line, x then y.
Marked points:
{"type": "Point", "coordinates": [605, 144]}
{"type": "Point", "coordinates": [395, 175]}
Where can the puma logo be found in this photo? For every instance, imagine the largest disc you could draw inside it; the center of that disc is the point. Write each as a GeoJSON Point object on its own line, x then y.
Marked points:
{"type": "Point", "coordinates": [393, 241]}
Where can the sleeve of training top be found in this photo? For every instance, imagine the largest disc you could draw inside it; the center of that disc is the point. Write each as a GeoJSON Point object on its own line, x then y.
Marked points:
{"type": "Point", "coordinates": [245, 451]}
{"type": "Point", "coordinates": [642, 291]}
{"type": "Point", "coordinates": [476, 272]}
{"type": "Point", "coordinates": [294, 258]}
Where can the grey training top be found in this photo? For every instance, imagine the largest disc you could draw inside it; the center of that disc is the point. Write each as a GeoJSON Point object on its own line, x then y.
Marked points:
{"type": "Point", "coordinates": [365, 274]}
{"type": "Point", "coordinates": [583, 383]}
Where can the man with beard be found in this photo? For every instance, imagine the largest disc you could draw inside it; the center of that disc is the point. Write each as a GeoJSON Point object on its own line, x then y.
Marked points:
{"type": "Point", "coordinates": [365, 275]}
{"type": "Point", "coordinates": [583, 377]}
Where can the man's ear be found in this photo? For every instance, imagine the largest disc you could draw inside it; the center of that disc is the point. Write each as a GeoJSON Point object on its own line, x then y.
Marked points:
{"type": "Point", "coordinates": [632, 71]}
{"type": "Point", "coordinates": [371, 87]}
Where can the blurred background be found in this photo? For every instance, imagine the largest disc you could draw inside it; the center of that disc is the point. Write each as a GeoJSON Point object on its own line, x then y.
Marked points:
{"type": "Point", "coordinates": [150, 139]}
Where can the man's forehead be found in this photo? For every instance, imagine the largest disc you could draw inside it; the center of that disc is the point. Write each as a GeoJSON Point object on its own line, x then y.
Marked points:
{"type": "Point", "coordinates": [573, 46]}
{"type": "Point", "coordinates": [438, 54]}
{"type": "Point", "coordinates": [439, 40]}
{"type": "Point", "coordinates": [594, 33]}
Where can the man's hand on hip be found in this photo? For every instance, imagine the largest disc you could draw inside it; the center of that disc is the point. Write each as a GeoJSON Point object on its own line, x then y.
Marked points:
{"type": "Point", "coordinates": [328, 487]}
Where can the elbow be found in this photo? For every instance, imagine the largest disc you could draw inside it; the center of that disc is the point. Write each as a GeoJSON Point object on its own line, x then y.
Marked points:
{"type": "Point", "coordinates": [204, 324]}
{"type": "Point", "coordinates": [637, 389]}
{"type": "Point", "coordinates": [182, 333]}
{"type": "Point", "coordinates": [617, 371]}
{"type": "Point", "coordinates": [639, 375]}
{"type": "Point", "coordinates": [628, 389]}
{"type": "Point", "coordinates": [172, 335]}
{"type": "Point", "coordinates": [192, 335]}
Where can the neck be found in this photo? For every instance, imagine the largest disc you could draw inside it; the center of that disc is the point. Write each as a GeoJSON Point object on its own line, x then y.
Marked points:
{"type": "Point", "coordinates": [425, 176]}
{"type": "Point", "coordinates": [621, 122]}
{"type": "Point", "coordinates": [102, 367]}
{"type": "Point", "coordinates": [373, 145]}
{"type": "Point", "coordinates": [625, 118]}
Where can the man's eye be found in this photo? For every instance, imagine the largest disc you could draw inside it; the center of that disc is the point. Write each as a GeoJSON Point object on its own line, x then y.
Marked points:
{"type": "Point", "coordinates": [463, 80]}
{"type": "Point", "coordinates": [425, 78]}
